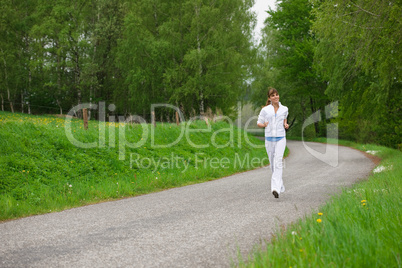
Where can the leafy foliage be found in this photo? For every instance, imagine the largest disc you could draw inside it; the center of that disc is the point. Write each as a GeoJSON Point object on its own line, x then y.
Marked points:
{"type": "Point", "coordinates": [318, 52]}
{"type": "Point", "coordinates": [286, 52]}
{"type": "Point", "coordinates": [193, 54]}
{"type": "Point", "coordinates": [359, 55]}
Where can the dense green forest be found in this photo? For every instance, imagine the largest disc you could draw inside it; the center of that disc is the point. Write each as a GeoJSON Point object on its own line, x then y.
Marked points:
{"type": "Point", "coordinates": [193, 54]}
{"type": "Point", "coordinates": [343, 52]}
{"type": "Point", "coordinates": [200, 54]}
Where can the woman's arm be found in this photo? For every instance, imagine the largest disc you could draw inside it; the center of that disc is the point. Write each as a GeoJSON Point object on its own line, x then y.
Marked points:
{"type": "Point", "coordinates": [261, 123]}
{"type": "Point", "coordinates": [285, 123]}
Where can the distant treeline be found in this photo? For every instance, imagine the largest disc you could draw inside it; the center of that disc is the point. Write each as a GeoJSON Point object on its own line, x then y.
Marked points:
{"type": "Point", "coordinates": [193, 54]}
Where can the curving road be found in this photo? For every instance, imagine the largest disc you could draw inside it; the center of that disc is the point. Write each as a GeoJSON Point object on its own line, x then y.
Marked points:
{"type": "Point", "coordinates": [202, 225]}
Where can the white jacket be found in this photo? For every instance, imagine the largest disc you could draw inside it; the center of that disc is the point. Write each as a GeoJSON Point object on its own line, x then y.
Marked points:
{"type": "Point", "coordinates": [275, 126]}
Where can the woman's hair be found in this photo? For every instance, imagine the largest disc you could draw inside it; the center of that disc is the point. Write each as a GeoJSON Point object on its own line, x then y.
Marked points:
{"type": "Point", "coordinates": [271, 91]}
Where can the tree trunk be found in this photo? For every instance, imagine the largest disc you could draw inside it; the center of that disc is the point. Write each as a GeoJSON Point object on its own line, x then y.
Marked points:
{"type": "Point", "coordinates": [22, 101]}
{"type": "Point", "coordinates": [78, 77]}
{"type": "Point", "coordinates": [29, 89]}
{"type": "Point", "coordinates": [9, 100]}
{"type": "Point", "coordinates": [77, 72]}
{"type": "Point", "coordinates": [58, 104]}
{"type": "Point", "coordinates": [25, 92]}
{"type": "Point", "coordinates": [202, 110]}
{"type": "Point", "coordinates": [92, 89]}
{"type": "Point", "coordinates": [316, 126]}
{"type": "Point", "coordinates": [58, 70]}
{"type": "Point", "coordinates": [2, 102]}
{"type": "Point", "coordinates": [8, 88]}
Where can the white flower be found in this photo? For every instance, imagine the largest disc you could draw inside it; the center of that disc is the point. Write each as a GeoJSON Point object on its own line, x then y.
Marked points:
{"type": "Point", "coordinates": [379, 169]}
{"type": "Point", "coordinates": [294, 233]}
{"type": "Point", "coordinates": [70, 186]}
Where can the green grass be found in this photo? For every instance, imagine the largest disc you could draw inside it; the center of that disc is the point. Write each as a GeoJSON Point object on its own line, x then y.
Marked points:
{"type": "Point", "coordinates": [41, 171]}
{"type": "Point", "coordinates": [361, 227]}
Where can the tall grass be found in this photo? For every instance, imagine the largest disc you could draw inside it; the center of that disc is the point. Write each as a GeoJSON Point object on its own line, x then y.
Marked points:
{"type": "Point", "coordinates": [361, 227]}
{"type": "Point", "coordinates": [42, 171]}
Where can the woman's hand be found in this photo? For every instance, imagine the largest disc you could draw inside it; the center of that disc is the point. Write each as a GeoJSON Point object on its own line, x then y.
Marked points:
{"type": "Point", "coordinates": [286, 125]}
{"type": "Point", "coordinates": [262, 125]}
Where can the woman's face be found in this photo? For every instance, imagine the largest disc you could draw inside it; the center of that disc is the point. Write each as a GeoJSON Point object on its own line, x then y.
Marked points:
{"type": "Point", "coordinates": [274, 97]}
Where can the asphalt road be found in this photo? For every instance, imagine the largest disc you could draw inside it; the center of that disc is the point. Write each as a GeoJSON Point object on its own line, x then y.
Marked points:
{"type": "Point", "coordinates": [203, 225]}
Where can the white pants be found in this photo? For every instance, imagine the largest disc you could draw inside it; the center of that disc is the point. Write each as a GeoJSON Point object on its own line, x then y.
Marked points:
{"type": "Point", "coordinates": [275, 151]}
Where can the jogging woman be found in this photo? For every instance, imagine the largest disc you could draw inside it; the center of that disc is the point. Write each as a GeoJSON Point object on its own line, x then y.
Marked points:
{"type": "Point", "coordinates": [273, 117]}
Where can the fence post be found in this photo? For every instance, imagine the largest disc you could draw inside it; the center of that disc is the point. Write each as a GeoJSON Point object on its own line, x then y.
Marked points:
{"type": "Point", "coordinates": [85, 117]}
{"type": "Point", "coordinates": [153, 118]}
{"type": "Point", "coordinates": [177, 118]}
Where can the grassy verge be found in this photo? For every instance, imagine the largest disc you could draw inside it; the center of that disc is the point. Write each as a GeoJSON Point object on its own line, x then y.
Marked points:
{"type": "Point", "coordinates": [361, 227]}
{"type": "Point", "coordinates": [41, 170]}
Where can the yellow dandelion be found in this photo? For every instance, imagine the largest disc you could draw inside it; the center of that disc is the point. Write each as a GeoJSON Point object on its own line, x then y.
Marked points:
{"type": "Point", "coordinates": [364, 204]}
{"type": "Point", "coordinates": [319, 220]}
{"type": "Point", "coordinates": [319, 213]}
{"type": "Point", "coordinates": [300, 250]}
{"type": "Point", "coordinates": [364, 201]}
{"type": "Point", "coordinates": [23, 171]}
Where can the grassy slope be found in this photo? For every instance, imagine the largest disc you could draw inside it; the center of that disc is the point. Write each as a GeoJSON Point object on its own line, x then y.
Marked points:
{"type": "Point", "coordinates": [361, 227]}
{"type": "Point", "coordinates": [41, 171]}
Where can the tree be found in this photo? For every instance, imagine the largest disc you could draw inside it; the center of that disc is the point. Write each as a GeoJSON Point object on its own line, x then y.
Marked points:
{"type": "Point", "coordinates": [362, 28]}
{"type": "Point", "coordinates": [214, 66]}
{"type": "Point", "coordinates": [359, 55]}
{"type": "Point", "coordinates": [101, 76]}
{"type": "Point", "coordinates": [194, 54]}
{"type": "Point", "coordinates": [11, 47]}
{"type": "Point", "coordinates": [288, 48]}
